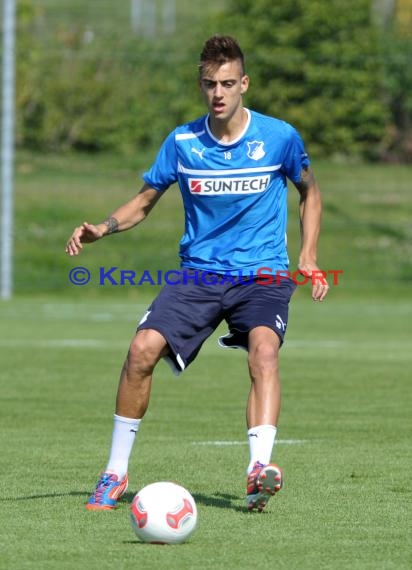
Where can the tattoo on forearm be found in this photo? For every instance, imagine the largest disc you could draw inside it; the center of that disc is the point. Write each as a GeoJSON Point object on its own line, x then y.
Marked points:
{"type": "Point", "coordinates": [112, 225]}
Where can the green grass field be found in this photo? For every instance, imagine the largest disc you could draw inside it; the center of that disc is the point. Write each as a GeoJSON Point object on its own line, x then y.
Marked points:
{"type": "Point", "coordinates": [344, 441]}
{"type": "Point", "coordinates": [344, 435]}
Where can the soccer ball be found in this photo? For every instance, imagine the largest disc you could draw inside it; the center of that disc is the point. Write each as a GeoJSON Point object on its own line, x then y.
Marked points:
{"type": "Point", "coordinates": [163, 513]}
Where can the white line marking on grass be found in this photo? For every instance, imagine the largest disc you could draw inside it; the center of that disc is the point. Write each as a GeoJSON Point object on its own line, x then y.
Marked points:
{"type": "Point", "coordinates": [221, 443]}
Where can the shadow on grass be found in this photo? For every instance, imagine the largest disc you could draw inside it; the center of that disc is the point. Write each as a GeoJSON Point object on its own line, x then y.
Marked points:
{"type": "Point", "coordinates": [46, 496]}
{"type": "Point", "coordinates": [217, 500]}
{"type": "Point", "coordinates": [221, 501]}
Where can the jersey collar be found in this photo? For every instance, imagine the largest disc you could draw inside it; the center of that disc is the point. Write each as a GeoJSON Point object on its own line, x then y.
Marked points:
{"type": "Point", "coordinates": [234, 141]}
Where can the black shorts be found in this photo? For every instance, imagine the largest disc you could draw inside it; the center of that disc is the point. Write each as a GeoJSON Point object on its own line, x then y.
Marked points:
{"type": "Point", "coordinates": [187, 313]}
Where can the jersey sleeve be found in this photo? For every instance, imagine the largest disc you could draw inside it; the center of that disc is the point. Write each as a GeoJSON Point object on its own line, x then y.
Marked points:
{"type": "Point", "coordinates": [163, 172]}
{"type": "Point", "coordinates": [295, 156]}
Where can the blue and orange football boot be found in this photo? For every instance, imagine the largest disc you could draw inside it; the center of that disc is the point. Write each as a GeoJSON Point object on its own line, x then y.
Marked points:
{"type": "Point", "coordinates": [262, 483]}
{"type": "Point", "coordinates": [108, 491]}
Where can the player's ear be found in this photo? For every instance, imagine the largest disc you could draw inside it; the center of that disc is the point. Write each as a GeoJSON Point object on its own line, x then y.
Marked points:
{"type": "Point", "coordinates": [244, 84]}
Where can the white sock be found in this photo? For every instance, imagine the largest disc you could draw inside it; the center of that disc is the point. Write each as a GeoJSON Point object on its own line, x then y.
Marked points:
{"type": "Point", "coordinates": [261, 442]}
{"type": "Point", "coordinates": [124, 434]}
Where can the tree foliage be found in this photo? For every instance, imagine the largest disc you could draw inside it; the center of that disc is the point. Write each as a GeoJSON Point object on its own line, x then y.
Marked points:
{"type": "Point", "coordinates": [398, 90]}
{"type": "Point", "coordinates": [324, 66]}
{"type": "Point", "coordinates": [317, 65]}
{"type": "Point", "coordinates": [111, 93]}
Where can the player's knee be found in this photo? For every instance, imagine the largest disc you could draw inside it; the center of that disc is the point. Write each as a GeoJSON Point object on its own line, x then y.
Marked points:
{"type": "Point", "coordinates": [263, 356]}
{"type": "Point", "coordinates": [144, 352]}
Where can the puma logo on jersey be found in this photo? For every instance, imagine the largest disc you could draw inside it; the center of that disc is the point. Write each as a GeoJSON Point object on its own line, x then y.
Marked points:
{"type": "Point", "coordinates": [198, 152]}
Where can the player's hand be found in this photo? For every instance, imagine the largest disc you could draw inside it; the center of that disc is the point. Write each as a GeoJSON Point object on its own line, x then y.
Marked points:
{"type": "Point", "coordinates": [86, 233]}
{"type": "Point", "coordinates": [320, 286]}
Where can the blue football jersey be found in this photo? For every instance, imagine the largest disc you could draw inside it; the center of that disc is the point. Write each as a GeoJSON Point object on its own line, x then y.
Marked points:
{"type": "Point", "coordinates": [234, 194]}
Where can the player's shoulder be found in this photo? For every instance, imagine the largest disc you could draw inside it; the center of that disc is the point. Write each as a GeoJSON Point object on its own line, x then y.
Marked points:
{"type": "Point", "coordinates": [190, 130]}
{"type": "Point", "coordinates": [273, 123]}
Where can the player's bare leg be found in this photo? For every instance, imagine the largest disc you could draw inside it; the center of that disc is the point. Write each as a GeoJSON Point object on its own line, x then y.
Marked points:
{"type": "Point", "coordinates": [264, 398]}
{"type": "Point", "coordinates": [146, 349]}
{"type": "Point", "coordinates": [263, 407]}
{"type": "Point", "coordinates": [133, 394]}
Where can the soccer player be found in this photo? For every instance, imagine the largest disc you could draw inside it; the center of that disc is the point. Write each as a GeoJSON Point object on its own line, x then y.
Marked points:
{"type": "Point", "coordinates": [232, 166]}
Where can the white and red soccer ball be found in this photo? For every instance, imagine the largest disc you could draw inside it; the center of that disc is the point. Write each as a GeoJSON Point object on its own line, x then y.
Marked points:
{"type": "Point", "coordinates": [163, 513]}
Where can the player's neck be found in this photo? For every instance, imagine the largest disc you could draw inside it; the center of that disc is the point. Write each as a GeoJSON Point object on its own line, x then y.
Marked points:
{"type": "Point", "coordinates": [227, 130]}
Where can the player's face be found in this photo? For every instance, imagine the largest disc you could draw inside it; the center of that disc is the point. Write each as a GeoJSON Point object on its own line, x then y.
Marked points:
{"type": "Point", "coordinates": [222, 88]}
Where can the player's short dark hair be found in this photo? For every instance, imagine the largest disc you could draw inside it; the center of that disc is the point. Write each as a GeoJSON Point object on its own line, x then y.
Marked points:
{"type": "Point", "coordinates": [221, 49]}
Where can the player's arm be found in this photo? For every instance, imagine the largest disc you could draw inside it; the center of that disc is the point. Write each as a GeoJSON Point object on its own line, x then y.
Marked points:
{"type": "Point", "coordinates": [125, 217]}
{"type": "Point", "coordinates": [310, 212]}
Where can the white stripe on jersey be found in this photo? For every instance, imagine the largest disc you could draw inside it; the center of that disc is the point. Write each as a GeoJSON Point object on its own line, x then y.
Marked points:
{"type": "Point", "coordinates": [211, 172]}
{"type": "Point", "coordinates": [187, 136]}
